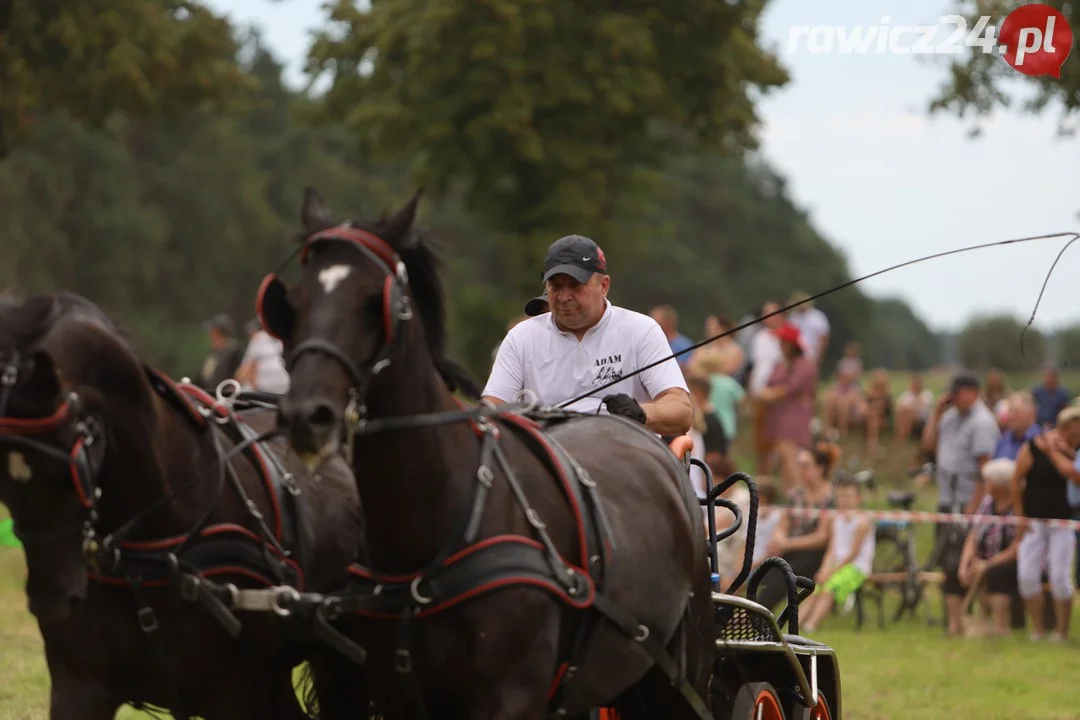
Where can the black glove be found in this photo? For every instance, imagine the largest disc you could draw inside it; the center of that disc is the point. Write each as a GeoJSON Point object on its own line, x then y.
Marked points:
{"type": "Point", "coordinates": [622, 404]}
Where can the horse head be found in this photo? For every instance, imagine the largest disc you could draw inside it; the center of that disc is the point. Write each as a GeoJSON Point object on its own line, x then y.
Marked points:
{"type": "Point", "coordinates": [59, 354]}
{"type": "Point", "coordinates": [364, 320]}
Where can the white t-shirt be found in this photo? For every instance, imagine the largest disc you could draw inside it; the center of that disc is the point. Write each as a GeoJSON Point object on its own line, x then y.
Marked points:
{"type": "Point", "coordinates": [812, 325]}
{"type": "Point", "coordinates": [538, 356]}
{"type": "Point", "coordinates": [922, 402]}
{"type": "Point", "coordinates": [767, 354]}
{"type": "Point", "coordinates": [270, 374]}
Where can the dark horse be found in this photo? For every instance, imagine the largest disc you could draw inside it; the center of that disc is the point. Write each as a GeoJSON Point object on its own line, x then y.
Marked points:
{"type": "Point", "coordinates": [122, 491]}
{"type": "Point", "coordinates": [514, 571]}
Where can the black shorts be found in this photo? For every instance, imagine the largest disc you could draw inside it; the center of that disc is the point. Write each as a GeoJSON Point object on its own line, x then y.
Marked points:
{"type": "Point", "coordinates": [998, 580]}
{"type": "Point", "coordinates": [1001, 579]}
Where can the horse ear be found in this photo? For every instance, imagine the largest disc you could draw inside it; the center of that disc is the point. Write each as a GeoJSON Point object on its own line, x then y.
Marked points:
{"type": "Point", "coordinates": [397, 226]}
{"type": "Point", "coordinates": [315, 214]}
{"type": "Point", "coordinates": [42, 380]}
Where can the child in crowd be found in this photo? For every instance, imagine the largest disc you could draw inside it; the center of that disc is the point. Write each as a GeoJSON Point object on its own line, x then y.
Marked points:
{"type": "Point", "coordinates": [848, 558]}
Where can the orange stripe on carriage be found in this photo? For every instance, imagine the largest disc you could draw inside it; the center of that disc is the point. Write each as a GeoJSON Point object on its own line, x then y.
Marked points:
{"type": "Point", "coordinates": [608, 714]}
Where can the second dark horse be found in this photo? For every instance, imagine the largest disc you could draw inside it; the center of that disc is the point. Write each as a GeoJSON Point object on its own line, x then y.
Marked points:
{"type": "Point", "coordinates": [116, 479]}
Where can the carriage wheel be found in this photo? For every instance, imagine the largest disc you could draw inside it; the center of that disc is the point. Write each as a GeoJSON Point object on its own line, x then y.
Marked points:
{"type": "Point", "coordinates": [820, 711]}
{"type": "Point", "coordinates": [757, 701]}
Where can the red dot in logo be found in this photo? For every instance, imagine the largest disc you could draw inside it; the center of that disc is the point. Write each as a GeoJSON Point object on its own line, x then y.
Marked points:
{"type": "Point", "coordinates": [1037, 39]}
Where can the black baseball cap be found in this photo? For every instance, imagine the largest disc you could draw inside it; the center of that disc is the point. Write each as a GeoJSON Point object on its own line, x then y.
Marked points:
{"type": "Point", "coordinates": [537, 306]}
{"type": "Point", "coordinates": [576, 256]}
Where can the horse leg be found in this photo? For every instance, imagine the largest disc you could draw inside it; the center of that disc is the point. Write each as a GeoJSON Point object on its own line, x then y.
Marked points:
{"type": "Point", "coordinates": [340, 687]}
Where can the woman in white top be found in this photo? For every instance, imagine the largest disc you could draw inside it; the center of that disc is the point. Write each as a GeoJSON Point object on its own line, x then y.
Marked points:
{"type": "Point", "coordinates": [263, 367]}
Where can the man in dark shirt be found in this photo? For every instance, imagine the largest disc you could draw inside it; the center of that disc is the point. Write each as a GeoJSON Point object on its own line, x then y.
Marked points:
{"type": "Point", "coordinates": [1050, 398]}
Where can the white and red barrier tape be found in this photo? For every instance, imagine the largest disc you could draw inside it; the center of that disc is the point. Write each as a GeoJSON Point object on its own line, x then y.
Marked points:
{"type": "Point", "coordinates": [917, 516]}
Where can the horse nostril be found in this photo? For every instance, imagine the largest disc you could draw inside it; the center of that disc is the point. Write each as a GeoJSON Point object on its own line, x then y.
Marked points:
{"type": "Point", "coordinates": [322, 416]}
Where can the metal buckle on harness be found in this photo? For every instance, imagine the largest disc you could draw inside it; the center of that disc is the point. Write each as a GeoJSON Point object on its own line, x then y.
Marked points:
{"type": "Point", "coordinates": [402, 661]}
{"type": "Point", "coordinates": [147, 620]}
{"type": "Point", "coordinates": [189, 587]}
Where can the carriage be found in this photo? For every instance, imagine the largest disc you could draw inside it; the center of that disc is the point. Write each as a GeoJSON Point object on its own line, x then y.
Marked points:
{"type": "Point", "coordinates": [439, 606]}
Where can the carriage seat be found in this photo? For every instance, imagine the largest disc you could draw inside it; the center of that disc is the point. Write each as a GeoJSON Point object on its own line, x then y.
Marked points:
{"type": "Point", "coordinates": [900, 499]}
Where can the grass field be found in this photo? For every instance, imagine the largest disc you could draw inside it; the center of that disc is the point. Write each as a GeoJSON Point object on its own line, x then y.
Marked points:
{"type": "Point", "coordinates": [907, 671]}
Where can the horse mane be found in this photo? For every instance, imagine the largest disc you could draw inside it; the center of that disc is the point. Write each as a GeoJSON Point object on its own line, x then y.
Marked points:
{"type": "Point", "coordinates": [27, 320]}
{"type": "Point", "coordinates": [102, 352]}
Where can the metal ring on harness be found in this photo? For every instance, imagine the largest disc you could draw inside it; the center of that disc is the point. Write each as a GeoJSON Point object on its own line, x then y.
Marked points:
{"type": "Point", "coordinates": [414, 588]}
{"type": "Point", "coordinates": [280, 592]}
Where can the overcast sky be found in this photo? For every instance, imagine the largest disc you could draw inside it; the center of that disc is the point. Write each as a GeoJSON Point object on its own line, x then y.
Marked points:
{"type": "Point", "coordinates": [883, 181]}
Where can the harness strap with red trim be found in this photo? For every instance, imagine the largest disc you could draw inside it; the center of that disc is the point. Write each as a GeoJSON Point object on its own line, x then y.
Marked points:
{"type": "Point", "coordinates": [504, 561]}
{"type": "Point", "coordinates": [223, 550]}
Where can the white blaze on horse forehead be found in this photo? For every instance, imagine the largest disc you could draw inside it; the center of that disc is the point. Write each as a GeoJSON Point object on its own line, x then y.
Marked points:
{"type": "Point", "coordinates": [17, 467]}
{"type": "Point", "coordinates": [331, 276]}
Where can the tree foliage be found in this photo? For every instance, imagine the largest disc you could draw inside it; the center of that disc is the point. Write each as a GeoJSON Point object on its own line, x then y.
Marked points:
{"type": "Point", "coordinates": [168, 220]}
{"type": "Point", "coordinates": [537, 109]}
{"type": "Point", "coordinates": [995, 342]}
{"type": "Point", "coordinates": [95, 58]}
{"type": "Point", "coordinates": [975, 82]}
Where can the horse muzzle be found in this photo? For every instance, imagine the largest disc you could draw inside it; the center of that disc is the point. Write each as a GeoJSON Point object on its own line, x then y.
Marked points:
{"type": "Point", "coordinates": [313, 427]}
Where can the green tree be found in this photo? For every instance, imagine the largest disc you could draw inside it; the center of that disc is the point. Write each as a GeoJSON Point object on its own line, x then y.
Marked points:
{"type": "Point", "coordinates": [994, 342]}
{"type": "Point", "coordinates": [95, 58]}
{"type": "Point", "coordinates": [976, 80]}
{"type": "Point", "coordinates": [538, 109]}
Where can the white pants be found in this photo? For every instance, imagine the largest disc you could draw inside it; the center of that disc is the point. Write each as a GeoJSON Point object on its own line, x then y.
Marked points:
{"type": "Point", "coordinates": [1052, 549]}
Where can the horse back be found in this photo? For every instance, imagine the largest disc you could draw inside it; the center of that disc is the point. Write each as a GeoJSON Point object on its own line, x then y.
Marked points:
{"type": "Point", "coordinates": [655, 543]}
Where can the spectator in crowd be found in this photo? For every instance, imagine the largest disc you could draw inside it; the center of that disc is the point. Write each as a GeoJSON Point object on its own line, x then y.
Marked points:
{"type": "Point", "coordinates": [962, 433]}
{"type": "Point", "coordinates": [801, 541]}
{"type": "Point", "coordinates": [812, 323]}
{"type": "Point", "coordinates": [725, 394]}
{"type": "Point", "coordinates": [262, 367]}
{"type": "Point", "coordinates": [766, 354]}
{"type": "Point", "coordinates": [745, 339]}
{"type": "Point", "coordinates": [1020, 425]}
{"type": "Point", "coordinates": [878, 409]}
{"type": "Point", "coordinates": [996, 393]}
{"type": "Point", "coordinates": [848, 559]}
{"type": "Point", "coordinates": [1050, 398]}
{"type": "Point", "coordinates": [225, 352]}
{"type": "Point", "coordinates": [989, 553]}
{"type": "Point", "coordinates": [843, 403]}
{"type": "Point", "coordinates": [789, 401]}
{"type": "Point", "coordinates": [668, 320]}
{"type": "Point", "coordinates": [724, 355]}
{"type": "Point", "coordinates": [1040, 492]}
{"type": "Point", "coordinates": [708, 434]}
{"type": "Point", "coordinates": [913, 408]}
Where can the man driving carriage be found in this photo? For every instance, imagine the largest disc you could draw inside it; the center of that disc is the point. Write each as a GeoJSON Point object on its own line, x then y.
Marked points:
{"type": "Point", "coordinates": [584, 342]}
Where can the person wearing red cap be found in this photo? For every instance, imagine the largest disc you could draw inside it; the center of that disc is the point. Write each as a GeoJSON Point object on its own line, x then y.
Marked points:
{"type": "Point", "coordinates": [789, 402]}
